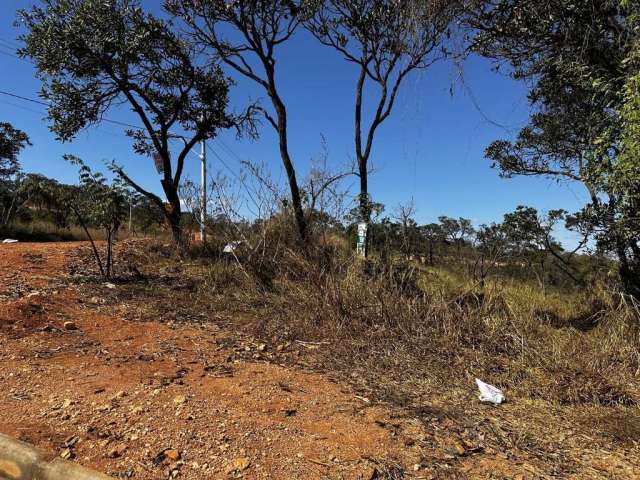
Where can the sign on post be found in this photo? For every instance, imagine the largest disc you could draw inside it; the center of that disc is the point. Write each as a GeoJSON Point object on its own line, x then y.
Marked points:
{"type": "Point", "coordinates": [157, 160]}
{"type": "Point", "coordinates": [362, 239]}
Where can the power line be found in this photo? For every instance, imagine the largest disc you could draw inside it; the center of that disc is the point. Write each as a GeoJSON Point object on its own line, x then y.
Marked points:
{"type": "Point", "coordinates": [40, 102]}
{"type": "Point", "coordinates": [7, 46]}
{"type": "Point", "coordinates": [224, 164]}
{"type": "Point", "coordinates": [9, 54]}
{"type": "Point", "coordinates": [228, 149]}
{"type": "Point", "coordinates": [115, 122]}
{"type": "Point", "coordinates": [21, 107]}
{"type": "Point", "coordinates": [11, 43]}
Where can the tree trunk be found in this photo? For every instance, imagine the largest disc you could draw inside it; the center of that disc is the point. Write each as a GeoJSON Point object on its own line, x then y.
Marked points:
{"type": "Point", "coordinates": [109, 253]}
{"type": "Point", "coordinates": [173, 213]}
{"type": "Point", "coordinates": [629, 271]}
{"type": "Point", "coordinates": [365, 204]}
{"type": "Point", "coordinates": [296, 199]}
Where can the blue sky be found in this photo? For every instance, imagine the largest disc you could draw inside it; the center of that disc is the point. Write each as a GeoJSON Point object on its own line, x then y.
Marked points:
{"type": "Point", "coordinates": [431, 148]}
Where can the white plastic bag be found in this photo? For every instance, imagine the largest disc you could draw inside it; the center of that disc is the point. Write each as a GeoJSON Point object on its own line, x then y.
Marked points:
{"type": "Point", "coordinates": [489, 393]}
{"type": "Point", "coordinates": [231, 247]}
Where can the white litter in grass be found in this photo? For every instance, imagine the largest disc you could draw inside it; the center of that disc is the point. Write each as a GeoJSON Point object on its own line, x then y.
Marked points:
{"type": "Point", "coordinates": [10, 240]}
{"type": "Point", "coordinates": [489, 393]}
{"type": "Point", "coordinates": [231, 247]}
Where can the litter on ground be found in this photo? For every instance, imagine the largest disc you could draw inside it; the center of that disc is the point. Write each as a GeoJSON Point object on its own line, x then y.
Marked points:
{"type": "Point", "coordinates": [489, 393]}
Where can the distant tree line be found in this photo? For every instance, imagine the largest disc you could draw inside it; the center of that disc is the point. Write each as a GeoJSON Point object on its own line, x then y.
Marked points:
{"type": "Point", "coordinates": [580, 60]}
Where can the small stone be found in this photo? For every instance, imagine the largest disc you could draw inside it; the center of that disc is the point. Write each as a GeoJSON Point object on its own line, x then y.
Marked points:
{"type": "Point", "coordinates": [240, 464]}
{"type": "Point", "coordinates": [117, 451]}
{"type": "Point", "coordinates": [172, 454]}
{"type": "Point", "coordinates": [119, 395]}
{"type": "Point", "coordinates": [180, 399]}
{"type": "Point", "coordinates": [71, 441]}
{"type": "Point", "coordinates": [69, 325]}
{"type": "Point", "coordinates": [458, 449]}
{"type": "Point", "coordinates": [262, 347]}
{"type": "Point", "coordinates": [67, 454]}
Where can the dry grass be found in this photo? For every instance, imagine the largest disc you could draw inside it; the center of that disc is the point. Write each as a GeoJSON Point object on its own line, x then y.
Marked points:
{"type": "Point", "coordinates": [417, 337]}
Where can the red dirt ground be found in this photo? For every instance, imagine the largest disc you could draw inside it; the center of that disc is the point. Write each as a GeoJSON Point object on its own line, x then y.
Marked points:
{"type": "Point", "coordinates": [149, 400]}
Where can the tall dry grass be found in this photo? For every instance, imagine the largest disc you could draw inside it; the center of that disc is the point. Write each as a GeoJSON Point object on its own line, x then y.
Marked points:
{"type": "Point", "coordinates": [404, 332]}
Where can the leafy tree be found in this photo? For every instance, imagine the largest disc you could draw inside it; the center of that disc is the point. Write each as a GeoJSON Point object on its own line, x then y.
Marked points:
{"type": "Point", "coordinates": [456, 231]}
{"type": "Point", "coordinates": [491, 246]}
{"type": "Point", "coordinates": [577, 56]}
{"type": "Point", "coordinates": [257, 29]}
{"type": "Point", "coordinates": [386, 40]}
{"type": "Point", "coordinates": [93, 55]}
{"type": "Point", "coordinates": [17, 193]}
{"type": "Point", "coordinates": [12, 141]}
{"type": "Point", "coordinates": [434, 235]}
{"type": "Point", "coordinates": [530, 238]}
{"type": "Point", "coordinates": [145, 215]}
{"type": "Point", "coordinates": [97, 204]}
{"type": "Point", "coordinates": [12, 192]}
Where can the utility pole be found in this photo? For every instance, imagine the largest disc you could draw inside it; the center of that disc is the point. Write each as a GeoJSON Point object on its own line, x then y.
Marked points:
{"type": "Point", "coordinates": [203, 190]}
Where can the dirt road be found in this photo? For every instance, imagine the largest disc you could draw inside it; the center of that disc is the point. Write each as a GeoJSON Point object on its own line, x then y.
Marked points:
{"type": "Point", "coordinates": [150, 400]}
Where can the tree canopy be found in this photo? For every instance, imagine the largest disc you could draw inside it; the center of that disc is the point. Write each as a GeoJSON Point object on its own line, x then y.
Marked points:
{"type": "Point", "coordinates": [577, 58]}
{"type": "Point", "coordinates": [93, 55]}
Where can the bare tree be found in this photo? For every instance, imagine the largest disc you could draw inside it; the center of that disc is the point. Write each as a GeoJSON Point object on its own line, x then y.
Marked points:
{"type": "Point", "coordinates": [325, 196]}
{"type": "Point", "coordinates": [386, 40]}
{"type": "Point", "coordinates": [408, 228]}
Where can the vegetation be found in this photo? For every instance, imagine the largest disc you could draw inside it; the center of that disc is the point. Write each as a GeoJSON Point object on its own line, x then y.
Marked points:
{"type": "Point", "coordinates": [386, 41]}
{"type": "Point", "coordinates": [12, 191]}
{"type": "Point", "coordinates": [262, 27]}
{"type": "Point", "coordinates": [579, 58]}
{"type": "Point", "coordinates": [92, 55]}
{"type": "Point", "coordinates": [433, 304]}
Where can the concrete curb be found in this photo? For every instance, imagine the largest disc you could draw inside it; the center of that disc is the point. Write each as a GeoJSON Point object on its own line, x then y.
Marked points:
{"type": "Point", "coordinates": [20, 461]}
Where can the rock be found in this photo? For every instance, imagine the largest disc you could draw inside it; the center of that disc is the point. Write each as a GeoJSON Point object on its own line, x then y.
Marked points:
{"type": "Point", "coordinates": [67, 454]}
{"type": "Point", "coordinates": [180, 399]}
{"type": "Point", "coordinates": [117, 451]}
{"type": "Point", "coordinates": [262, 347]}
{"type": "Point", "coordinates": [240, 464]}
{"type": "Point", "coordinates": [69, 325]}
{"type": "Point", "coordinates": [171, 454]}
{"type": "Point", "coordinates": [458, 449]}
{"type": "Point", "coordinates": [71, 441]}
{"type": "Point", "coordinates": [119, 395]}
